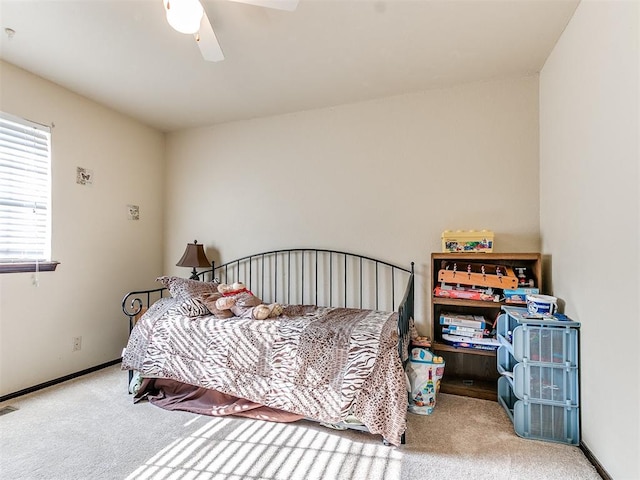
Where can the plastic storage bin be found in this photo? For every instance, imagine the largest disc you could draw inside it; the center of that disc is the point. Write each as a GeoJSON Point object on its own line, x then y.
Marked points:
{"type": "Point", "coordinates": [506, 361]}
{"type": "Point", "coordinates": [538, 340]}
{"type": "Point", "coordinates": [537, 382]}
{"type": "Point", "coordinates": [540, 421]}
{"type": "Point", "coordinates": [539, 386]}
{"type": "Point", "coordinates": [467, 241]}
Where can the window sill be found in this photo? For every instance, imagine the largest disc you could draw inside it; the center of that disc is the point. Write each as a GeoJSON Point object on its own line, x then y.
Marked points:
{"type": "Point", "coordinates": [28, 267]}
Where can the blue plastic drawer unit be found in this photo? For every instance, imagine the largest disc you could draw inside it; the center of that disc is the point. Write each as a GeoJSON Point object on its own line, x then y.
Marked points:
{"type": "Point", "coordinates": [539, 384]}
{"type": "Point", "coordinates": [540, 421]}
{"type": "Point", "coordinates": [506, 361]}
{"type": "Point", "coordinates": [536, 339]}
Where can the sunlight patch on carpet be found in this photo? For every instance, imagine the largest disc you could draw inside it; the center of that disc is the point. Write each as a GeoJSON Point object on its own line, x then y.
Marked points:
{"type": "Point", "coordinates": [224, 448]}
{"type": "Point", "coordinates": [8, 409]}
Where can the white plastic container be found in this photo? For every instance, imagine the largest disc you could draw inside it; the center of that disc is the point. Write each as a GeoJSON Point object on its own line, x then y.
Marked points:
{"type": "Point", "coordinates": [541, 304]}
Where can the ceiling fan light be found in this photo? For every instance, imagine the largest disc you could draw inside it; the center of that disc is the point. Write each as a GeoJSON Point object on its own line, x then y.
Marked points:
{"type": "Point", "coordinates": [184, 16]}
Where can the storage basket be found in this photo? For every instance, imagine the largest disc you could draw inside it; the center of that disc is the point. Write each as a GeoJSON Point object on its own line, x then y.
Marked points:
{"type": "Point", "coordinates": [538, 340]}
{"type": "Point", "coordinates": [540, 421]}
{"type": "Point", "coordinates": [539, 382]}
{"type": "Point", "coordinates": [546, 344]}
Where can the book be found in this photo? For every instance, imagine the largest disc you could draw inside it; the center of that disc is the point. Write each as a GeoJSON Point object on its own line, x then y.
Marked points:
{"type": "Point", "coordinates": [472, 346]}
{"type": "Point", "coordinates": [465, 331]}
{"type": "Point", "coordinates": [462, 320]}
{"type": "Point", "coordinates": [469, 342]}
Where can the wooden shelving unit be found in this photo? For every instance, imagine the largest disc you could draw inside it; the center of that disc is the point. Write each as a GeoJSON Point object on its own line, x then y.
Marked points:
{"type": "Point", "coordinates": [472, 372]}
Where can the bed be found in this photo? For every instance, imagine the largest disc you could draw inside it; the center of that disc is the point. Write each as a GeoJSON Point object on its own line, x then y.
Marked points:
{"type": "Point", "coordinates": [336, 355]}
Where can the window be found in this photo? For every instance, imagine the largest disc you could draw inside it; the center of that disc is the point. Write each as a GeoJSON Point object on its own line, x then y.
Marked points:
{"type": "Point", "coordinates": [25, 196]}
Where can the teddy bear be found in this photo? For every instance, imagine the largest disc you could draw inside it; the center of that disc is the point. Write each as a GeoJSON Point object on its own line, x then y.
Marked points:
{"type": "Point", "coordinates": [244, 304]}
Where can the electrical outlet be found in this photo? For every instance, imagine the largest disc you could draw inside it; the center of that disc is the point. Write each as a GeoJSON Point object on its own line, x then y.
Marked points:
{"type": "Point", "coordinates": [77, 344]}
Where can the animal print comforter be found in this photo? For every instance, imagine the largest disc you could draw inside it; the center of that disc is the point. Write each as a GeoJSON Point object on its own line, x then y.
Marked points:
{"type": "Point", "coordinates": [321, 363]}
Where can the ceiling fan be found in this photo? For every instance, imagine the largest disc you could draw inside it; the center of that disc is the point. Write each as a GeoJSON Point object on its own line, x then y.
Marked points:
{"type": "Point", "coordinates": [189, 17]}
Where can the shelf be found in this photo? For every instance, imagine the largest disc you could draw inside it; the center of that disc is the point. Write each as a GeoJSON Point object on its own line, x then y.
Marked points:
{"type": "Point", "coordinates": [470, 387]}
{"type": "Point", "coordinates": [469, 371]}
{"type": "Point", "coordinates": [443, 347]}
{"type": "Point", "coordinates": [460, 302]}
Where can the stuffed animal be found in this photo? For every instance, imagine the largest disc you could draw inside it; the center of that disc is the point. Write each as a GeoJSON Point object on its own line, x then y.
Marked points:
{"type": "Point", "coordinates": [244, 304]}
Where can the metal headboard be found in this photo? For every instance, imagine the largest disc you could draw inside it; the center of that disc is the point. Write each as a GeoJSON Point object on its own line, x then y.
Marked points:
{"type": "Point", "coordinates": [316, 276]}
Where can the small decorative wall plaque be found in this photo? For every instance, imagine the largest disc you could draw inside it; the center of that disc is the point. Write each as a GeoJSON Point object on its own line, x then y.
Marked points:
{"type": "Point", "coordinates": [134, 212]}
{"type": "Point", "coordinates": [84, 176]}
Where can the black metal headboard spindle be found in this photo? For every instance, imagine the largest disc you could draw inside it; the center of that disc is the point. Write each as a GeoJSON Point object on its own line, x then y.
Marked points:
{"type": "Point", "coordinates": [316, 298]}
{"type": "Point", "coordinates": [302, 277]}
{"type": "Point", "coordinates": [263, 275]}
{"type": "Point", "coordinates": [330, 278]}
{"type": "Point", "coordinates": [360, 283]}
{"type": "Point", "coordinates": [345, 279]}
{"type": "Point", "coordinates": [377, 286]}
{"type": "Point", "coordinates": [289, 277]}
{"type": "Point", "coordinates": [275, 280]}
{"type": "Point", "coordinates": [393, 288]}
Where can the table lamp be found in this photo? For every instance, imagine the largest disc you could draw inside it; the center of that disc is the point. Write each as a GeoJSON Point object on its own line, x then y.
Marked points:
{"type": "Point", "coordinates": [194, 256]}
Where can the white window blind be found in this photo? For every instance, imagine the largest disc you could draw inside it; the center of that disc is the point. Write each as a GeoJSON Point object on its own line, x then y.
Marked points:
{"type": "Point", "coordinates": [25, 190]}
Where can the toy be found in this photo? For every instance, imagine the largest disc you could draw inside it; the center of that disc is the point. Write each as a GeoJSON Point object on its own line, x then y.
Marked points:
{"type": "Point", "coordinates": [244, 304]}
{"type": "Point", "coordinates": [467, 241]}
{"type": "Point", "coordinates": [421, 341]}
{"type": "Point", "coordinates": [477, 275]}
{"type": "Point", "coordinates": [424, 371]}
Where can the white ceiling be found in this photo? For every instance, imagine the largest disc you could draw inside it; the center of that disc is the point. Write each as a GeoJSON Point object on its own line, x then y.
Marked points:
{"type": "Point", "coordinates": [122, 53]}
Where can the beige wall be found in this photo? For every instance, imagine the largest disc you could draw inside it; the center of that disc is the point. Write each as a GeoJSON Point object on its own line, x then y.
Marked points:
{"type": "Point", "coordinates": [102, 253]}
{"type": "Point", "coordinates": [383, 178]}
{"type": "Point", "coordinates": [589, 126]}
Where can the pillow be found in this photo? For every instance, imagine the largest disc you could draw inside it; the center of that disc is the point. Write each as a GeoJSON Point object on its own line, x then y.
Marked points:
{"type": "Point", "coordinates": [187, 288]}
{"type": "Point", "coordinates": [188, 293]}
{"type": "Point", "coordinates": [191, 308]}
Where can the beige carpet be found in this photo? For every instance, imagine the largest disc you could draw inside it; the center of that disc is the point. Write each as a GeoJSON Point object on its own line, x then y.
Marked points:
{"type": "Point", "coordinates": [88, 428]}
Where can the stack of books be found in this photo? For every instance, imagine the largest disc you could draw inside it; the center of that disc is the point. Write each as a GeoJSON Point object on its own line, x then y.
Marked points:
{"type": "Point", "coordinates": [467, 331]}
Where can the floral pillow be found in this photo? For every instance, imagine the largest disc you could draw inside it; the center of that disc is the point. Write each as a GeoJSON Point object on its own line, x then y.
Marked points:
{"type": "Point", "coordinates": [188, 293]}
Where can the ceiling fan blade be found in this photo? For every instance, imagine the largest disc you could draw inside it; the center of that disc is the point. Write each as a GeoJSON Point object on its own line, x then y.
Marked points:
{"type": "Point", "coordinates": [208, 42]}
{"type": "Point", "coordinates": [288, 5]}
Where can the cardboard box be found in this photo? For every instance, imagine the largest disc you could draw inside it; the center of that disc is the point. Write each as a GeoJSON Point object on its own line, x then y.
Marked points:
{"type": "Point", "coordinates": [467, 241]}
{"type": "Point", "coordinates": [518, 295]}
